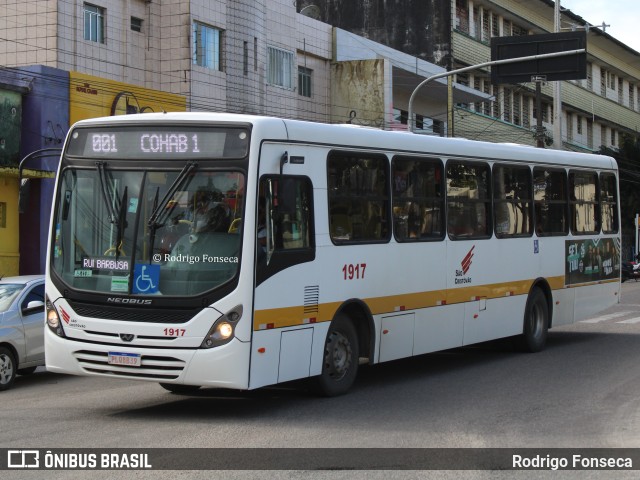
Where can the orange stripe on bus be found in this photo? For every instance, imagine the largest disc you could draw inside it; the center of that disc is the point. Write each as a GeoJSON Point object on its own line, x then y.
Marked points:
{"type": "Point", "coordinates": [294, 316]}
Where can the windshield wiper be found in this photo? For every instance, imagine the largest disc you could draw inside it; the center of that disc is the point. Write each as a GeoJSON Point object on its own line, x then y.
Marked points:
{"type": "Point", "coordinates": [119, 217]}
{"type": "Point", "coordinates": [122, 220]}
{"type": "Point", "coordinates": [105, 194]}
{"type": "Point", "coordinates": [156, 215]}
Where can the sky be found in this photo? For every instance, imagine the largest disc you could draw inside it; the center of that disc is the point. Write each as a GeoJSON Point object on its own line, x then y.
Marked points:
{"type": "Point", "coordinates": [623, 16]}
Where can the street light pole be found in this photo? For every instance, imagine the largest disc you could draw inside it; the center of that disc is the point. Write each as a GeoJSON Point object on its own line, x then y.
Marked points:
{"type": "Point", "coordinates": [481, 65]}
{"type": "Point", "coordinates": [557, 91]}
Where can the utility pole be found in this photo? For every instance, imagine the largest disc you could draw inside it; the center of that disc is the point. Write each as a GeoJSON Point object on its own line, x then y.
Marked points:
{"type": "Point", "coordinates": [539, 127]}
{"type": "Point", "coordinates": [557, 91]}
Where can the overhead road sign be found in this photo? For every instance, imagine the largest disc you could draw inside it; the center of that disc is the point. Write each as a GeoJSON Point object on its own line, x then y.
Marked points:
{"type": "Point", "coordinates": [572, 67]}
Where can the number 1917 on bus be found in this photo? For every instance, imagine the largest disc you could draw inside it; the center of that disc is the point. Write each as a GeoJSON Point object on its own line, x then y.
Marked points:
{"type": "Point", "coordinates": [352, 271]}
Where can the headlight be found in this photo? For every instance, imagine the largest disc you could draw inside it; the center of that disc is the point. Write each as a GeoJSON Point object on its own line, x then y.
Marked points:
{"type": "Point", "coordinates": [53, 319]}
{"type": "Point", "coordinates": [223, 330]}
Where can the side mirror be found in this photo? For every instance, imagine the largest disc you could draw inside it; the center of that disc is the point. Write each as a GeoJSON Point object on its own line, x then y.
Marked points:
{"type": "Point", "coordinates": [33, 306]}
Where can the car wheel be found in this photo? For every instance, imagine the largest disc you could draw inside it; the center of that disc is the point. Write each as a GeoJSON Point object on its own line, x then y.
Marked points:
{"type": "Point", "coordinates": [7, 368]}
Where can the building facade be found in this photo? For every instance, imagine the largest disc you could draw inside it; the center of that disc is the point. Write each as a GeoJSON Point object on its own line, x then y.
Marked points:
{"type": "Point", "coordinates": [334, 61]}
{"type": "Point", "coordinates": [596, 110]}
{"type": "Point", "coordinates": [93, 58]}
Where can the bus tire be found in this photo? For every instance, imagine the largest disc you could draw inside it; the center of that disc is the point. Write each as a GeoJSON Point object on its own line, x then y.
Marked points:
{"type": "Point", "coordinates": [179, 388]}
{"type": "Point", "coordinates": [341, 357]}
{"type": "Point", "coordinates": [8, 368]}
{"type": "Point", "coordinates": [536, 323]}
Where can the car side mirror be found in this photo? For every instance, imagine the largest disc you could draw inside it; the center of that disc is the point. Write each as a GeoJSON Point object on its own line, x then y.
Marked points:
{"type": "Point", "coordinates": [33, 306]}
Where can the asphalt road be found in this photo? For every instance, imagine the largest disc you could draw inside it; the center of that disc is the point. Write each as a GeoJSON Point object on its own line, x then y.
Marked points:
{"type": "Point", "coordinates": [583, 391]}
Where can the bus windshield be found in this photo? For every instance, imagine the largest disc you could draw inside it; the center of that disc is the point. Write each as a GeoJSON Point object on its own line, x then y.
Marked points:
{"type": "Point", "coordinates": [135, 231]}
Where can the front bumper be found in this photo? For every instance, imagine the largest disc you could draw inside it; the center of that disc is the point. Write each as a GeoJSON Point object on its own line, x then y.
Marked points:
{"type": "Point", "coordinates": [226, 366]}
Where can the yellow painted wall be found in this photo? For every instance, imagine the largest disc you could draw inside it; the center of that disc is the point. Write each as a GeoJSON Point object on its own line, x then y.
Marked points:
{"type": "Point", "coordinates": [9, 234]}
{"type": "Point", "coordinates": [92, 97]}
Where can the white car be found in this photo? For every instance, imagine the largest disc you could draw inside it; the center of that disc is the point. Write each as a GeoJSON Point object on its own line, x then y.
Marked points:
{"type": "Point", "coordinates": [21, 327]}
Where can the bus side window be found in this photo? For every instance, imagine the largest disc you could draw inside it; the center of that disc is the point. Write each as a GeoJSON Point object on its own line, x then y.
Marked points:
{"type": "Point", "coordinates": [418, 202]}
{"type": "Point", "coordinates": [550, 200]}
{"type": "Point", "coordinates": [358, 194]}
{"type": "Point", "coordinates": [468, 200]}
{"type": "Point", "coordinates": [583, 202]}
{"type": "Point", "coordinates": [513, 201]}
{"type": "Point", "coordinates": [285, 222]}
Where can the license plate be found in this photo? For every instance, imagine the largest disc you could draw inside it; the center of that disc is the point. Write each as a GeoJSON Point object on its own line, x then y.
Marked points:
{"type": "Point", "coordinates": [124, 359]}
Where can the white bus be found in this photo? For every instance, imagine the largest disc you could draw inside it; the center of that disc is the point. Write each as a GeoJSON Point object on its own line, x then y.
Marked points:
{"type": "Point", "coordinates": [219, 250]}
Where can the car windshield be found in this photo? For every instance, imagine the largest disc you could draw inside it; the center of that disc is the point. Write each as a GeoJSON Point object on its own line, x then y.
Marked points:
{"type": "Point", "coordinates": [8, 293]}
{"type": "Point", "coordinates": [148, 232]}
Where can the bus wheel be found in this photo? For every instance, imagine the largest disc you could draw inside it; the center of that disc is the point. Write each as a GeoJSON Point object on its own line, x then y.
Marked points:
{"type": "Point", "coordinates": [341, 355]}
{"type": "Point", "coordinates": [8, 368]}
{"type": "Point", "coordinates": [178, 388]}
{"type": "Point", "coordinates": [536, 322]}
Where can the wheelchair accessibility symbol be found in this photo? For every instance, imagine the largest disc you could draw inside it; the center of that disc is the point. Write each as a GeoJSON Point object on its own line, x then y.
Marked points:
{"type": "Point", "coordinates": [146, 278]}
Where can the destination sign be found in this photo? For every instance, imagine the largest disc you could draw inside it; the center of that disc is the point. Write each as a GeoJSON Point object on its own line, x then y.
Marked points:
{"type": "Point", "coordinates": [158, 142]}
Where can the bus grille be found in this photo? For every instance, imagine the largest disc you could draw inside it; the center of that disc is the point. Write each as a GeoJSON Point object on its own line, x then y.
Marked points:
{"type": "Point", "coordinates": [108, 312]}
{"type": "Point", "coordinates": [153, 367]}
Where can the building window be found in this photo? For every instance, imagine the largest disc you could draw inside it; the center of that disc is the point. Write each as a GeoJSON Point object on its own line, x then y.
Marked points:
{"type": "Point", "coordinates": [93, 23]}
{"type": "Point", "coordinates": [519, 31]}
{"type": "Point", "coordinates": [579, 124]}
{"type": "Point", "coordinates": [620, 91]}
{"type": "Point", "coordinates": [136, 24]}
{"type": "Point", "coordinates": [304, 81]}
{"type": "Point", "coordinates": [462, 16]}
{"type": "Point", "coordinates": [486, 26]}
{"type": "Point", "coordinates": [245, 58]}
{"type": "Point", "coordinates": [255, 54]}
{"type": "Point", "coordinates": [506, 112]}
{"type": "Point", "coordinates": [495, 26]}
{"type": "Point", "coordinates": [206, 46]}
{"type": "Point", "coordinates": [506, 28]}
{"type": "Point", "coordinates": [280, 67]}
{"type": "Point", "coordinates": [517, 100]}
{"type": "Point", "coordinates": [526, 117]}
